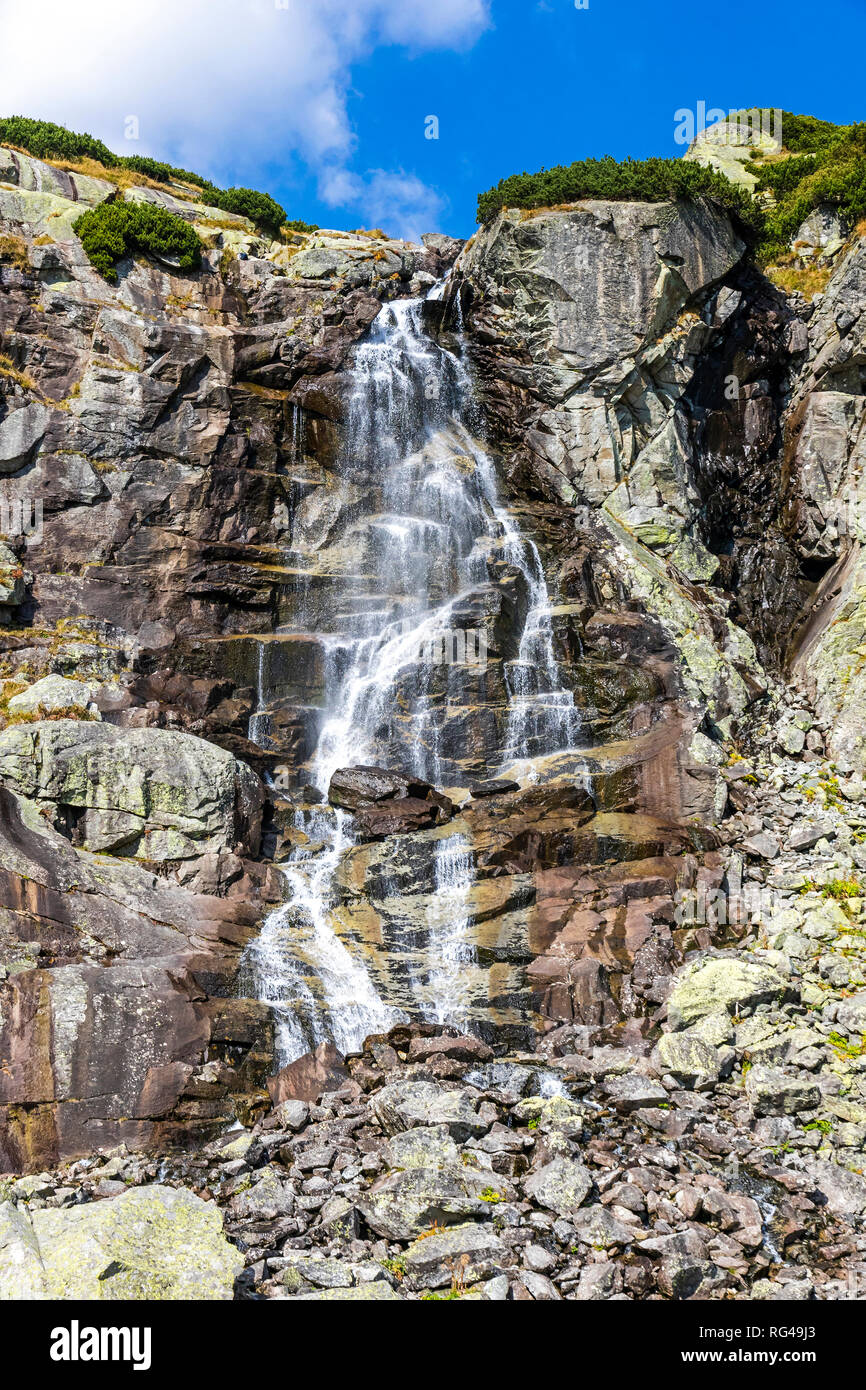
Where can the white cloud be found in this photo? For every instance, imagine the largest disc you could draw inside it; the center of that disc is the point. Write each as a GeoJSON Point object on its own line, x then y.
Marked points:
{"type": "Point", "coordinates": [385, 198]}
{"type": "Point", "coordinates": [205, 77]}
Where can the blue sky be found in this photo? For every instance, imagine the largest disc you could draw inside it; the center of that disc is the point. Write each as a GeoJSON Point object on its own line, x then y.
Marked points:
{"type": "Point", "coordinates": [547, 84]}
{"type": "Point", "coordinates": [323, 102]}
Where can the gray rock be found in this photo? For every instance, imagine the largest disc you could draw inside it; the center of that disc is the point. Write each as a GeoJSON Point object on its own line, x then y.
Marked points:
{"type": "Point", "coordinates": [468, 1252]}
{"type": "Point", "coordinates": [596, 1282]}
{"type": "Point", "coordinates": [762, 846]}
{"type": "Point", "coordinates": [153, 793]}
{"type": "Point", "coordinates": [540, 1287]}
{"type": "Point", "coordinates": [843, 1190]}
{"type": "Point", "coordinates": [851, 1014]}
{"type": "Point", "coordinates": [809, 835]}
{"type": "Point", "coordinates": [53, 693]}
{"type": "Point", "coordinates": [150, 1243]}
{"type": "Point", "coordinates": [291, 1114]}
{"type": "Point", "coordinates": [599, 1228]}
{"type": "Point", "coordinates": [404, 1104]}
{"type": "Point", "coordinates": [422, 1148]}
{"type": "Point", "coordinates": [379, 1292]}
{"type": "Point", "coordinates": [775, 1092]}
{"type": "Point", "coordinates": [560, 1186]}
{"type": "Point", "coordinates": [633, 1092]}
{"type": "Point", "coordinates": [267, 1199]}
{"type": "Point", "coordinates": [694, 1063]}
{"type": "Point", "coordinates": [21, 433]}
{"type": "Point", "coordinates": [403, 1204]}
{"type": "Point", "coordinates": [797, 1291]}
{"type": "Point", "coordinates": [725, 981]}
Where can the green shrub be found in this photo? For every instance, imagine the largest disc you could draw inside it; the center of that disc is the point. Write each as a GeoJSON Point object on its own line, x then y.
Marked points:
{"type": "Point", "coordinates": [642, 180]}
{"type": "Point", "coordinates": [260, 208]}
{"type": "Point", "coordinates": [114, 230]}
{"type": "Point", "coordinates": [298, 225]}
{"type": "Point", "coordinates": [163, 173]}
{"type": "Point", "coordinates": [803, 134]}
{"type": "Point", "coordinates": [45, 140]}
{"type": "Point", "coordinates": [835, 174]}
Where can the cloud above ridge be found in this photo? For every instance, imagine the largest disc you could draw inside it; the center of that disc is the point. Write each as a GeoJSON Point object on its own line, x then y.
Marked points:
{"type": "Point", "coordinates": [228, 87]}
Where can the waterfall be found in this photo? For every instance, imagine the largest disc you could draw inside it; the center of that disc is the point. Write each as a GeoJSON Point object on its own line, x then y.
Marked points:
{"type": "Point", "coordinates": [446, 991]}
{"type": "Point", "coordinates": [428, 539]}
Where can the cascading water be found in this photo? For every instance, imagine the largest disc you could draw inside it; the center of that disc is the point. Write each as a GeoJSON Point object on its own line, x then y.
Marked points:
{"type": "Point", "coordinates": [427, 535]}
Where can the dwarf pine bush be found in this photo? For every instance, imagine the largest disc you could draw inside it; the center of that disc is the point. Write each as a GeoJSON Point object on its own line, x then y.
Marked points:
{"type": "Point", "coordinates": [114, 230]}
{"type": "Point", "coordinates": [45, 140]}
{"type": "Point", "coordinates": [640, 180]}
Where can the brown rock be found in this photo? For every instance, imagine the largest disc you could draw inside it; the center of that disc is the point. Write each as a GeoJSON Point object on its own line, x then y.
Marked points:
{"type": "Point", "coordinates": [306, 1078]}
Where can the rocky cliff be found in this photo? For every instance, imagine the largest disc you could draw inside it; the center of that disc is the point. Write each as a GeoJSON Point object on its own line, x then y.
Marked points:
{"type": "Point", "coordinates": [624, 460]}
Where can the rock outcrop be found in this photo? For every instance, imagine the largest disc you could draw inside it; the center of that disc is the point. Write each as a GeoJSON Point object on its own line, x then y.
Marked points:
{"type": "Point", "coordinates": [150, 793]}
{"type": "Point", "coordinates": [656, 551]}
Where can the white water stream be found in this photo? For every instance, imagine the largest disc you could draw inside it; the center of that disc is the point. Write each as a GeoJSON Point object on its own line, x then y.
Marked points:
{"type": "Point", "coordinates": [438, 535]}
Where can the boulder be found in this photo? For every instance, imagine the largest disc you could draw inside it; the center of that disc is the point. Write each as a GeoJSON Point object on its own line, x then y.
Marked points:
{"type": "Point", "coordinates": [843, 1190]}
{"type": "Point", "coordinates": [723, 981]}
{"type": "Point", "coordinates": [150, 793]}
{"type": "Point", "coordinates": [693, 1062]}
{"type": "Point", "coordinates": [459, 1049]}
{"type": "Point", "coordinates": [53, 693]}
{"type": "Point", "coordinates": [465, 1253]}
{"type": "Point", "coordinates": [405, 1104]}
{"type": "Point", "coordinates": [772, 1091]}
{"type": "Point", "coordinates": [388, 803]}
{"type": "Point", "coordinates": [561, 1185]}
{"type": "Point", "coordinates": [633, 1092]}
{"type": "Point", "coordinates": [306, 1078]}
{"type": "Point", "coordinates": [406, 1203]}
{"type": "Point", "coordinates": [401, 816]}
{"type": "Point", "coordinates": [352, 788]}
{"type": "Point", "coordinates": [851, 1014]}
{"type": "Point", "coordinates": [149, 1243]}
{"type": "Point", "coordinates": [422, 1148]}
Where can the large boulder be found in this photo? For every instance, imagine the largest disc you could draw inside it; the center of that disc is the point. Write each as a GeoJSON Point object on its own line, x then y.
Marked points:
{"type": "Point", "coordinates": [53, 694]}
{"type": "Point", "coordinates": [150, 793]}
{"type": "Point", "coordinates": [405, 1203]}
{"type": "Point", "coordinates": [388, 803]}
{"type": "Point", "coordinates": [407, 1104]}
{"type": "Point", "coordinates": [722, 982]}
{"type": "Point", "coordinates": [772, 1091]}
{"type": "Point", "coordinates": [149, 1243]}
{"type": "Point", "coordinates": [560, 1186]}
{"type": "Point", "coordinates": [307, 1077]}
{"type": "Point", "coordinates": [467, 1252]}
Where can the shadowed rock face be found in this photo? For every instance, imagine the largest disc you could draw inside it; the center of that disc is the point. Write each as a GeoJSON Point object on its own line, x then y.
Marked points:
{"type": "Point", "coordinates": [116, 985]}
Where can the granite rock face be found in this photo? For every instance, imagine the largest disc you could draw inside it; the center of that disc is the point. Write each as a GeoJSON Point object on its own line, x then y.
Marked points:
{"type": "Point", "coordinates": [114, 986]}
